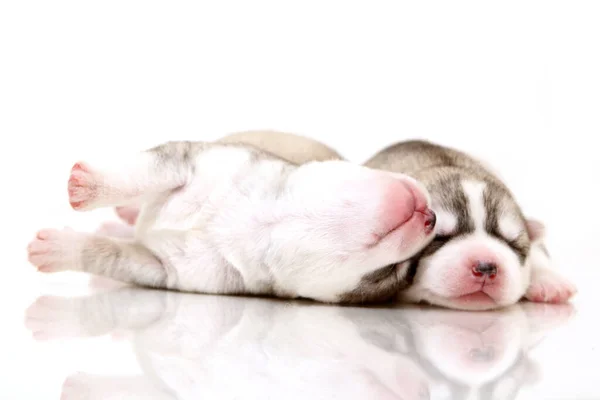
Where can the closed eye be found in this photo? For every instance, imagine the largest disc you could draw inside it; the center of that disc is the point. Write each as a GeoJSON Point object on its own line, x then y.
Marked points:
{"type": "Point", "coordinates": [518, 248]}
{"type": "Point", "coordinates": [516, 245]}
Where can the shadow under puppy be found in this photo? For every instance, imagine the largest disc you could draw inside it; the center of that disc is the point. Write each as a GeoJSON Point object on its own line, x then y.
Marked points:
{"type": "Point", "coordinates": [228, 218]}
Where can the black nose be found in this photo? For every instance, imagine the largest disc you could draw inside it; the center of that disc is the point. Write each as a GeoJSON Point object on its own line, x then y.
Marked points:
{"type": "Point", "coordinates": [485, 268]}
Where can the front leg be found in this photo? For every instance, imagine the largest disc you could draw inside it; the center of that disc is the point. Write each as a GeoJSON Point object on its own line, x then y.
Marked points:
{"type": "Point", "coordinates": [547, 285]}
{"type": "Point", "coordinates": [124, 260]}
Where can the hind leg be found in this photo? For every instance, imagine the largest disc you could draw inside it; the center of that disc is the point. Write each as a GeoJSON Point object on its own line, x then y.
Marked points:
{"type": "Point", "coordinates": [134, 179]}
{"type": "Point", "coordinates": [132, 262]}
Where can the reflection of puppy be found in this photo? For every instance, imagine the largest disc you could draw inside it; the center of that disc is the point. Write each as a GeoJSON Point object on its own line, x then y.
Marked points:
{"type": "Point", "coordinates": [193, 347]}
{"type": "Point", "coordinates": [485, 254]}
{"type": "Point", "coordinates": [227, 218]}
{"type": "Point", "coordinates": [480, 355]}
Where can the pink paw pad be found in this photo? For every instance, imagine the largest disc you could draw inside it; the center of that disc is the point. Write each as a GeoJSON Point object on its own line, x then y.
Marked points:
{"type": "Point", "coordinates": [82, 187]}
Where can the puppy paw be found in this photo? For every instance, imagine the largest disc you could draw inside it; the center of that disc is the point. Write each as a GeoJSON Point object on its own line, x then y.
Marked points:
{"type": "Point", "coordinates": [55, 250]}
{"type": "Point", "coordinates": [548, 286]}
{"type": "Point", "coordinates": [83, 187]}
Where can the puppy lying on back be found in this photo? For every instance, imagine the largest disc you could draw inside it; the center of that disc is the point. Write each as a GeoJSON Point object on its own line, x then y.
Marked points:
{"type": "Point", "coordinates": [231, 219]}
{"type": "Point", "coordinates": [292, 148]}
{"type": "Point", "coordinates": [485, 254]}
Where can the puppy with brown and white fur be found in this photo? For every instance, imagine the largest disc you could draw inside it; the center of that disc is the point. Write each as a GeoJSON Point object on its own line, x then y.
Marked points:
{"type": "Point", "coordinates": [293, 148]}
{"type": "Point", "coordinates": [438, 165]}
{"type": "Point", "coordinates": [231, 219]}
{"type": "Point", "coordinates": [486, 254]}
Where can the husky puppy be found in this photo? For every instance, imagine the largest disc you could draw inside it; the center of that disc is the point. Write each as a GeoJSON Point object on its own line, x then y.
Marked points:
{"type": "Point", "coordinates": [485, 254]}
{"type": "Point", "coordinates": [229, 219]}
{"type": "Point", "coordinates": [294, 148]}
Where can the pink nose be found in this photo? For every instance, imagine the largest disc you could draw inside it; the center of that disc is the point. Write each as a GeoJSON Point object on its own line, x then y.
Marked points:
{"type": "Point", "coordinates": [422, 205]}
{"type": "Point", "coordinates": [402, 200]}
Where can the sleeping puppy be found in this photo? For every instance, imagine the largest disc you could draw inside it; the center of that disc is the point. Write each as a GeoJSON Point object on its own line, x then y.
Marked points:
{"type": "Point", "coordinates": [485, 254]}
{"type": "Point", "coordinates": [542, 284]}
{"type": "Point", "coordinates": [228, 218]}
{"type": "Point", "coordinates": [293, 148]}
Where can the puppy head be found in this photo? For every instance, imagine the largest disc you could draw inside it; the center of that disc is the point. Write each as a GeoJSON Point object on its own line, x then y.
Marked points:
{"type": "Point", "coordinates": [339, 221]}
{"type": "Point", "coordinates": [479, 257]}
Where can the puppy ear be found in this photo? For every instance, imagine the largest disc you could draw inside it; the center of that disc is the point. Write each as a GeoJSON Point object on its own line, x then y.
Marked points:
{"type": "Point", "coordinates": [536, 229]}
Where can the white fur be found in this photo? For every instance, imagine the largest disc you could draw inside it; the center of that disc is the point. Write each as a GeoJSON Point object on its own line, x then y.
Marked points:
{"type": "Point", "coordinates": [474, 192]}
{"type": "Point", "coordinates": [309, 233]}
{"type": "Point", "coordinates": [446, 222]}
{"type": "Point", "coordinates": [446, 275]}
{"type": "Point", "coordinates": [510, 228]}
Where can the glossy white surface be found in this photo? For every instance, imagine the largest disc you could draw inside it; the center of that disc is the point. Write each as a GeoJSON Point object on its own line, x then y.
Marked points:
{"type": "Point", "coordinates": [107, 341]}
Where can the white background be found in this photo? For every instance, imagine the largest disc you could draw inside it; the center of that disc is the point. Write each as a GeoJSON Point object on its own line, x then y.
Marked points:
{"type": "Point", "coordinates": [515, 82]}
